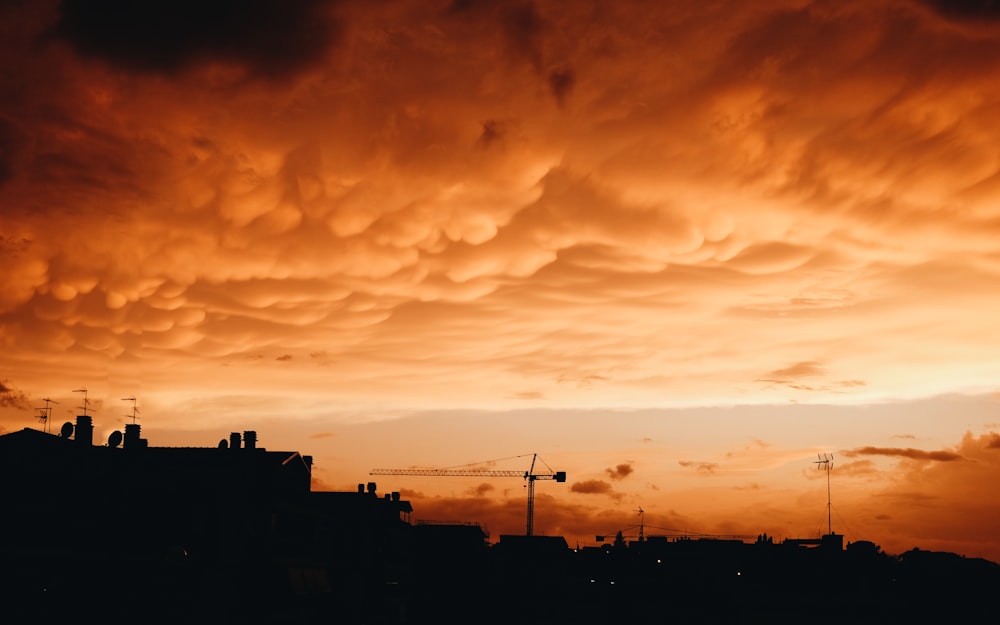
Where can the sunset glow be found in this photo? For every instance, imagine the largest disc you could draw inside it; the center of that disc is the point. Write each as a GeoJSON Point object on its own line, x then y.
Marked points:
{"type": "Point", "coordinates": [676, 249]}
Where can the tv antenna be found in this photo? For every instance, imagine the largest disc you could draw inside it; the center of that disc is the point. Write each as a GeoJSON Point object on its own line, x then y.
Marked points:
{"type": "Point", "coordinates": [86, 402]}
{"type": "Point", "coordinates": [825, 463]}
{"type": "Point", "coordinates": [642, 524]}
{"type": "Point", "coordinates": [45, 414]}
{"type": "Point", "coordinates": [134, 409]}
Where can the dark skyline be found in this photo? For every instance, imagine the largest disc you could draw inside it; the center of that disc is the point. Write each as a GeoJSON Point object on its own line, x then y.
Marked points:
{"type": "Point", "coordinates": [703, 242]}
{"type": "Point", "coordinates": [234, 533]}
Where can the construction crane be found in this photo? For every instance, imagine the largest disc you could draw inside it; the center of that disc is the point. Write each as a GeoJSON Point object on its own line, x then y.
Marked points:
{"type": "Point", "coordinates": [530, 476]}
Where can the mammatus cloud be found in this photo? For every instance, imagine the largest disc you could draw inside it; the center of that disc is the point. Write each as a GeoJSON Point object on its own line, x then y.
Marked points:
{"type": "Point", "coordinates": [621, 471]}
{"type": "Point", "coordinates": [913, 454]}
{"type": "Point", "coordinates": [499, 202]}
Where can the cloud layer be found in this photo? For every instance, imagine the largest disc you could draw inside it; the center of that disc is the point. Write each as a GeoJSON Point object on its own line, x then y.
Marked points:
{"type": "Point", "coordinates": [589, 200]}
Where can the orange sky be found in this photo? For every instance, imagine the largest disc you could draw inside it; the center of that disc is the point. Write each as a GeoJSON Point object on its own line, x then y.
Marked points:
{"type": "Point", "coordinates": [676, 250]}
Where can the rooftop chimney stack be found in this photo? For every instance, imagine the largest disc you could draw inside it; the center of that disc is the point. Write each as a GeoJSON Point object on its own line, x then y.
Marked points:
{"type": "Point", "coordinates": [84, 431]}
{"type": "Point", "coordinates": [131, 439]}
{"type": "Point", "coordinates": [250, 439]}
{"type": "Point", "coordinates": [234, 440]}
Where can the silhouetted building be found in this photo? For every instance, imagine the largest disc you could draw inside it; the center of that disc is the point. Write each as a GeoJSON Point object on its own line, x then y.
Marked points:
{"type": "Point", "coordinates": [232, 532]}
{"type": "Point", "coordinates": [126, 532]}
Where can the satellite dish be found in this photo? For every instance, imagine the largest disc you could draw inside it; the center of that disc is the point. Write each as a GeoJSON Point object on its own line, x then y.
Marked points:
{"type": "Point", "coordinates": [67, 429]}
{"type": "Point", "coordinates": [223, 444]}
{"type": "Point", "coordinates": [115, 439]}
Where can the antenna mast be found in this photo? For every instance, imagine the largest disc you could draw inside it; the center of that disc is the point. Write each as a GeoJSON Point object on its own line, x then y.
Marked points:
{"type": "Point", "coordinates": [45, 414]}
{"type": "Point", "coordinates": [86, 402]}
{"type": "Point", "coordinates": [642, 524]}
{"type": "Point", "coordinates": [134, 409]}
{"type": "Point", "coordinates": [825, 463]}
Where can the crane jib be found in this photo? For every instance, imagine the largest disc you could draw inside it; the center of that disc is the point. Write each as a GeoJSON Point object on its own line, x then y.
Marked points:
{"type": "Point", "coordinates": [530, 476]}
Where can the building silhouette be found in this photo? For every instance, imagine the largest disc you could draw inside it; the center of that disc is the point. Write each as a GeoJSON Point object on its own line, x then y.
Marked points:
{"type": "Point", "coordinates": [129, 532]}
{"type": "Point", "coordinates": [232, 532]}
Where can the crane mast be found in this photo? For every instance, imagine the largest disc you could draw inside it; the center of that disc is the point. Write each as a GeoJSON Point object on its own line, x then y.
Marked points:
{"type": "Point", "coordinates": [530, 476]}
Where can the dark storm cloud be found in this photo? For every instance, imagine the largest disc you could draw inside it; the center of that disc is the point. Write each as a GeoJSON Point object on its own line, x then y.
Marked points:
{"type": "Point", "coordinates": [974, 10]}
{"type": "Point", "coordinates": [524, 26]}
{"type": "Point", "coordinates": [591, 487]}
{"type": "Point", "coordinates": [493, 131]}
{"type": "Point", "coordinates": [798, 370]}
{"type": "Point", "coordinates": [11, 141]}
{"type": "Point", "coordinates": [789, 376]}
{"type": "Point", "coordinates": [561, 82]}
{"type": "Point", "coordinates": [526, 30]}
{"type": "Point", "coordinates": [914, 454]}
{"type": "Point", "coordinates": [620, 472]}
{"type": "Point", "coordinates": [521, 24]}
{"type": "Point", "coordinates": [481, 490]}
{"type": "Point", "coordinates": [268, 38]}
{"type": "Point", "coordinates": [528, 395]}
{"type": "Point", "coordinates": [708, 468]}
{"type": "Point", "coordinates": [12, 398]}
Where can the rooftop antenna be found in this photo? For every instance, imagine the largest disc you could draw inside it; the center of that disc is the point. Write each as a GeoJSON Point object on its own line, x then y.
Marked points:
{"type": "Point", "coordinates": [86, 402]}
{"type": "Point", "coordinates": [825, 463]}
{"type": "Point", "coordinates": [642, 524]}
{"type": "Point", "coordinates": [134, 409]}
{"type": "Point", "coordinates": [45, 413]}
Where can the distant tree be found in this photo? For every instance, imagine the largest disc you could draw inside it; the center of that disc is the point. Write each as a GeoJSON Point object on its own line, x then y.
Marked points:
{"type": "Point", "coordinates": [619, 540]}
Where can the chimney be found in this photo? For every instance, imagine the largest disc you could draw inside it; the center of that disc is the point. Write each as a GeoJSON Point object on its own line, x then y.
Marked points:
{"type": "Point", "coordinates": [361, 489]}
{"type": "Point", "coordinates": [250, 439]}
{"type": "Point", "coordinates": [371, 488]}
{"type": "Point", "coordinates": [84, 431]}
{"type": "Point", "coordinates": [234, 440]}
{"type": "Point", "coordinates": [132, 439]}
